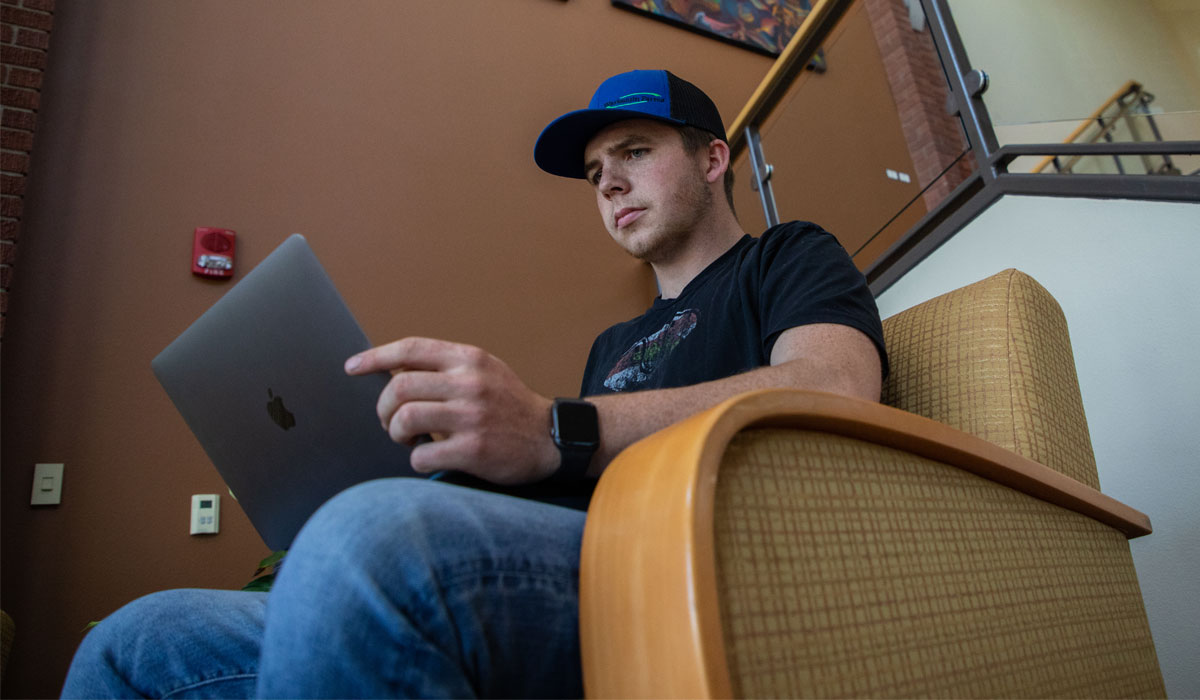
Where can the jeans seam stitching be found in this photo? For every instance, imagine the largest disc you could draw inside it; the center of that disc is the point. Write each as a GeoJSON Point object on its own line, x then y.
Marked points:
{"type": "Point", "coordinates": [207, 681]}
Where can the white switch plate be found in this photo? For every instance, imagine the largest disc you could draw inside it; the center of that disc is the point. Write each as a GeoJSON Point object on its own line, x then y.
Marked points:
{"type": "Point", "coordinates": [47, 485]}
{"type": "Point", "coordinates": [206, 514]}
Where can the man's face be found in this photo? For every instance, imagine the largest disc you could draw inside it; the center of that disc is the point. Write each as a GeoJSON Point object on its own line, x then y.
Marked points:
{"type": "Point", "coordinates": [652, 194]}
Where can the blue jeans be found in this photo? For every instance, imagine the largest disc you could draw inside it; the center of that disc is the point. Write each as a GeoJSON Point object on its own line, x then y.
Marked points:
{"type": "Point", "coordinates": [397, 587]}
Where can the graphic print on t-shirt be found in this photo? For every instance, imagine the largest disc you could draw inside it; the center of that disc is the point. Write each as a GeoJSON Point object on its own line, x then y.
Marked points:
{"type": "Point", "coordinates": [639, 362]}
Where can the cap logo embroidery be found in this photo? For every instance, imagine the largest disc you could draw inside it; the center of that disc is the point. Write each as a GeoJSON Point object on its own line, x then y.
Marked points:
{"type": "Point", "coordinates": [634, 98]}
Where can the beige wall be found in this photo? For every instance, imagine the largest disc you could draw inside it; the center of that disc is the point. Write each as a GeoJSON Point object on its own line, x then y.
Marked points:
{"type": "Point", "coordinates": [396, 135]}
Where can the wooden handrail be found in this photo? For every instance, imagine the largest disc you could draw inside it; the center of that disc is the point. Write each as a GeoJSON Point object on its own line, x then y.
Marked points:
{"type": "Point", "coordinates": [1130, 86]}
{"type": "Point", "coordinates": [796, 55]}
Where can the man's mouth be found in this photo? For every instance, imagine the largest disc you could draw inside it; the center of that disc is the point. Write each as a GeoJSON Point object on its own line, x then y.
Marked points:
{"type": "Point", "coordinates": [627, 216]}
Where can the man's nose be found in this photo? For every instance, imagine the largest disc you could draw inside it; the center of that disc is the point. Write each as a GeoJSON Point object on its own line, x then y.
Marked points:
{"type": "Point", "coordinates": [613, 181]}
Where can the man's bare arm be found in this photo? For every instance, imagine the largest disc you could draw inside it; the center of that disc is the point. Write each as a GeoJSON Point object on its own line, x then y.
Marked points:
{"type": "Point", "coordinates": [821, 357]}
{"type": "Point", "coordinates": [497, 428]}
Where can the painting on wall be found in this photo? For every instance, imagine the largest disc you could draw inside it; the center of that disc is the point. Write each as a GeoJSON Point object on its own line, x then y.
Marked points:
{"type": "Point", "coordinates": [764, 26]}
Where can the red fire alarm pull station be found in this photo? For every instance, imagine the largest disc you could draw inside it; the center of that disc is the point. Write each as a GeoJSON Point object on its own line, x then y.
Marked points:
{"type": "Point", "coordinates": [213, 252]}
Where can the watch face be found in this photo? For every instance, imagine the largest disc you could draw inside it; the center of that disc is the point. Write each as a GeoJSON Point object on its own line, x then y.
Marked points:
{"type": "Point", "coordinates": [575, 423]}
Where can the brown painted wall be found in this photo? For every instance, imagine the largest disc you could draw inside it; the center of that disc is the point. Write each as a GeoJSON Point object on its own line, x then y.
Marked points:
{"type": "Point", "coordinates": [396, 136]}
{"type": "Point", "coordinates": [831, 140]}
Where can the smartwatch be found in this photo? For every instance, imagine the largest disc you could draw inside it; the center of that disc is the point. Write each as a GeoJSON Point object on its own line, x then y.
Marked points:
{"type": "Point", "coordinates": [575, 427]}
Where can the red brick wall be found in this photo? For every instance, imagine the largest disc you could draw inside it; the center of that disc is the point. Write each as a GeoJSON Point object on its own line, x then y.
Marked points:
{"type": "Point", "coordinates": [24, 38]}
{"type": "Point", "coordinates": [919, 89]}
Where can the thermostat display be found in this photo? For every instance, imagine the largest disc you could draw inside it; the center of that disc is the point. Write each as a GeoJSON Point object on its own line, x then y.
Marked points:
{"type": "Point", "coordinates": [206, 514]}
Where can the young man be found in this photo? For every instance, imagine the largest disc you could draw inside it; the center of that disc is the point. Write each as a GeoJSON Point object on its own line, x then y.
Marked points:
{"type": "Point", "coordinates": [405, 587]}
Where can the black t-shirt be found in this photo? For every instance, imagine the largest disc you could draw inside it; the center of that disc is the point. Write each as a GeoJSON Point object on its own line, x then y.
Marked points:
{"type": "Point", "coordinates": [727, 319]}
{"type": "Point", "coordinates": [724, 322]}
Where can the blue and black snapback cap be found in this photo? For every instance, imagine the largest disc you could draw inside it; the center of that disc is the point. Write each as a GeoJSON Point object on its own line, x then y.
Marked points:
{"type": "Point", "coordinates": [639, 94]}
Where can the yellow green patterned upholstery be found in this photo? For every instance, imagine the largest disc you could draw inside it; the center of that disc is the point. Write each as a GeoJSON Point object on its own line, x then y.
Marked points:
{"type": "Point", "coordinates": [994, 359]}
{"type": "Point", "coordinates": [847, 569]}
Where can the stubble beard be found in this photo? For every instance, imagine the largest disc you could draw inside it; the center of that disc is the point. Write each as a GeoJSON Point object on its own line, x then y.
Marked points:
{"type": "Point", "coordinates": [693, 202]}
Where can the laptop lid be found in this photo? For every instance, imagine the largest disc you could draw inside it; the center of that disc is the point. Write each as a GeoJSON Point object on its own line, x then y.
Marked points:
{"type": "Point", "coordinates": [258, 378]}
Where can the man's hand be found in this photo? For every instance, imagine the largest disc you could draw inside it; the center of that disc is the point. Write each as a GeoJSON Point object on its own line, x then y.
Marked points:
{"type": "Point", "coordinates": [494, 426]}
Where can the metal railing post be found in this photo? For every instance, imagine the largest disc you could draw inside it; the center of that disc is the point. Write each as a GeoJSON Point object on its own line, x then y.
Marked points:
{"type": "Point", "coordinates": [762, 175]}
{"type": "Point", "coordinates": [966, 85]}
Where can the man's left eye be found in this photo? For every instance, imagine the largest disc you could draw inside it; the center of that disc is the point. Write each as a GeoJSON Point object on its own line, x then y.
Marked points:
{"type": "Point", "coordinates": [637, 152]}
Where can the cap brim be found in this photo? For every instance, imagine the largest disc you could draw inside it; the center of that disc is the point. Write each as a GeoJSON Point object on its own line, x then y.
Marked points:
{"type": "Point", "coordinates": [559, 149]}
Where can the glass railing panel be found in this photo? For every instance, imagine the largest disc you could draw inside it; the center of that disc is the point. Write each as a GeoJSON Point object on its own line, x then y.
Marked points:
{"type": "Point", "coordinates": [866, 147]}
{"type": "Point", "coordinates": [1055, 66]}
{"type": "Point", "coordinates": [1131, 129]}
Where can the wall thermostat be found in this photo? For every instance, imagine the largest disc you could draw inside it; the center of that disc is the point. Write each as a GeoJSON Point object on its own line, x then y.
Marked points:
{"type": "Point", "coordinates": [206, 514]}
{"type": "Point", "coordinates": [213, 252]}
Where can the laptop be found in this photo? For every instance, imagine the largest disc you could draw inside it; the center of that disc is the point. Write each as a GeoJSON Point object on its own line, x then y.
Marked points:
{"type": "Point", "coordinates": [258, 378]}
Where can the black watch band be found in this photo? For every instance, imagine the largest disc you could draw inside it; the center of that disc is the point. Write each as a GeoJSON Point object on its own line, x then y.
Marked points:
{"type": "Point", "coordinates": [575, 428]}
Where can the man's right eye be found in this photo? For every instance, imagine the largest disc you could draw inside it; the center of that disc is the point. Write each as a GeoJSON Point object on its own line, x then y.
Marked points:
{"type": "Point", "coordinates": [595, 178]}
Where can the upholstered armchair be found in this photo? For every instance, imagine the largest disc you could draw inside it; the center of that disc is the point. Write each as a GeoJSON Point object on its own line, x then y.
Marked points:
{"type": "Point", "coordinates": [951, 541]}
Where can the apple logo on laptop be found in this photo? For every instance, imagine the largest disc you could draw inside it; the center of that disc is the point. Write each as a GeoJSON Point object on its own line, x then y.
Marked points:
{"type": "Point", "coordinates": [275, 408]}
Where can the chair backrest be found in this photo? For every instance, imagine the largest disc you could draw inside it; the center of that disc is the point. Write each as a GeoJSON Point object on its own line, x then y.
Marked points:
{"type": "Point", "coordinates": [896, 576]}
{"type": "Point", "coordinates": [994, 359]}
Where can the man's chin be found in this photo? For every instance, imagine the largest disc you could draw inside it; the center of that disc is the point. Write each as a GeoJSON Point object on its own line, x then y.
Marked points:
{"type": "Point", "coordinates": [654, 251]}
{"type": "Point", "coordinates": [635, 245]}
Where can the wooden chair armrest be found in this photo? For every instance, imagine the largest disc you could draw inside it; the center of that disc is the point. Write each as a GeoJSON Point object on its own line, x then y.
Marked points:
{"type": "Point", "coordinates": [665, 485]}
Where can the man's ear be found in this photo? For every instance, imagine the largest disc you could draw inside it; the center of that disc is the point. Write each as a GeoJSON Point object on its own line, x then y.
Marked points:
{"type": "Point", "coordinates": [718, 161]}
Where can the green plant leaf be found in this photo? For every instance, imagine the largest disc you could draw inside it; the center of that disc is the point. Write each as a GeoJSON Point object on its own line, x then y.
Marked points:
{"type": "Point", "coordinates": [270, 562]}
{"type": "Point", "coordinates": [262, 584]}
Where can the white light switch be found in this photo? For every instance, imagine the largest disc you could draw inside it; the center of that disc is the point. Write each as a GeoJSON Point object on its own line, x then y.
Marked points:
{"type": "Point", "coordinates": [47, 485]}
{"type": "Point", "coordinates": [206, 514]}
